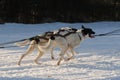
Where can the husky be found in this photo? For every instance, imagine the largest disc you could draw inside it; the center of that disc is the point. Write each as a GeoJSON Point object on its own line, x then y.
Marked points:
{"type": "Point", "coordinates": [68, 42]}
{"type": "Point", "coordinates": [33, 42]}
{"type": "Point", "coordinates": [41, 40]}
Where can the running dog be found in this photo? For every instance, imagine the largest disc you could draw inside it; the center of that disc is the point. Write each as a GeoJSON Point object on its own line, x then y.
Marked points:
{"type": "Point", "coordinates": [69, 41]}
{"type": "Point", "coordinates": [33, 42]}
{"type": "Point", "coordinates": [42, 40]}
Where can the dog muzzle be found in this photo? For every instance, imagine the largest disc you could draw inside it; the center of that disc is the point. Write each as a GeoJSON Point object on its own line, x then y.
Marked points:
{"type": "Point", "coordinates": [92, 36]}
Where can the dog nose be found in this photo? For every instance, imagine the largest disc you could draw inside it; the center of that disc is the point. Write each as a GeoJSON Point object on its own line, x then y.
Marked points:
{"type": "Point", "coordinates": [93, 32]}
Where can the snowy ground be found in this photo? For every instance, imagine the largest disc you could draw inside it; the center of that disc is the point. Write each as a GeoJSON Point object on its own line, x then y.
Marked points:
{"type": "Point", "coordinates": [97, 59]}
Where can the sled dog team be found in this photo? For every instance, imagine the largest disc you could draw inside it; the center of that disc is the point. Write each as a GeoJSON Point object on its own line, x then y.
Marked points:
{"type": "Point", "coordinates": [65, 38]}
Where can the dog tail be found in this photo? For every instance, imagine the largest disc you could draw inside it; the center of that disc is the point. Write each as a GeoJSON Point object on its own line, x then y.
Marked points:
{"type": "Point", "coordinates": [23, 43]}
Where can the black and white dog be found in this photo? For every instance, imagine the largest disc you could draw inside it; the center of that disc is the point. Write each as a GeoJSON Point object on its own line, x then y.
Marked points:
{"type": "Point", "coordinates": [42, 40]}
{"type": "Point", "coordinates": [68, 42]}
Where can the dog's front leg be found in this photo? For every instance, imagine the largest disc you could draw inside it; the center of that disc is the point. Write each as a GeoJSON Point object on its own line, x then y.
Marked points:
{"type": "Point", "coordinates": [73, 53]}
{"type": "Point", "coordinates": [61, 56]}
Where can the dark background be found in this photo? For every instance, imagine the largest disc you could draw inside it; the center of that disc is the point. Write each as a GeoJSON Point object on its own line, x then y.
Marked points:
{"type": "Point", "coordinates": [39, 11]}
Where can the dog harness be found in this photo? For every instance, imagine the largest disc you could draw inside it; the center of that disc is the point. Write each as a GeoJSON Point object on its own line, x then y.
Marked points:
{"type": "Point", "coordinates": [37, 38]}
{"type": "Point", "coordinates": [69, 31]}
{"type": "Point", "coordinates": [52, 34]}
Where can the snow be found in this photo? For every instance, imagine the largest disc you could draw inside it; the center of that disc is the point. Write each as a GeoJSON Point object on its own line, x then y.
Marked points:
{"type": "Point", "coordinates": [96, 59]}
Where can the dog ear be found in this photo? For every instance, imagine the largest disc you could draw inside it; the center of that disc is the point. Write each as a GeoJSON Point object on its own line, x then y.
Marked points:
{"type": "Point", "coordinates": [83, 27]}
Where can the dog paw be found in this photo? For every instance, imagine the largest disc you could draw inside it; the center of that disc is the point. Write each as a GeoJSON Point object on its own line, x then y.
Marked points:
{"type": "Point", "coordinates": [58, 63]}
{"type": "Point", "coordinates": [52, 58]}
{"type": "Point", "coordinates": [37, 62]}
{"type": "Point", "coordinates": [18, 64]}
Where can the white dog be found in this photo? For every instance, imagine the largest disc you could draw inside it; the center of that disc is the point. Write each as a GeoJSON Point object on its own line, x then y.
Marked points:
{"type": "Point", "coordinates": [33, 42]}
{"type": "Point", "coordinates": [69, 41]}
{"type": "Point", "coordinates": [42, 40]}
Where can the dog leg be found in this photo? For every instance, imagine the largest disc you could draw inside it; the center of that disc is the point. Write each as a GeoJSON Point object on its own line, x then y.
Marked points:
{"type": "Point", "coordinates": [40, 54]}
{"type": "Point", "coordinates": [61, 56]}
{"type": "Point", "coordinates": [52, 55]}
{"type": "Point", "coordinates": [67, 54]}
{"type": "Point", "coordinates": [30, 50]}
{"type": "Point", "coordinates": [73, 53]}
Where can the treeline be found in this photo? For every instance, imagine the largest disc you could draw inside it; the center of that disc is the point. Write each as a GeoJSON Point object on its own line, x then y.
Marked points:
{"type": "Point", "coordinates": [38, 11]}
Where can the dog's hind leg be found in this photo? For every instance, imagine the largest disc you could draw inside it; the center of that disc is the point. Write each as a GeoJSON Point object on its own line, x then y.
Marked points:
{"type": "Point", "coordinates": [40, 54]}
{"type": "Point", "coordinates": [52, 55]}
{"type": "Point", "coordinates": [29, 50]}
